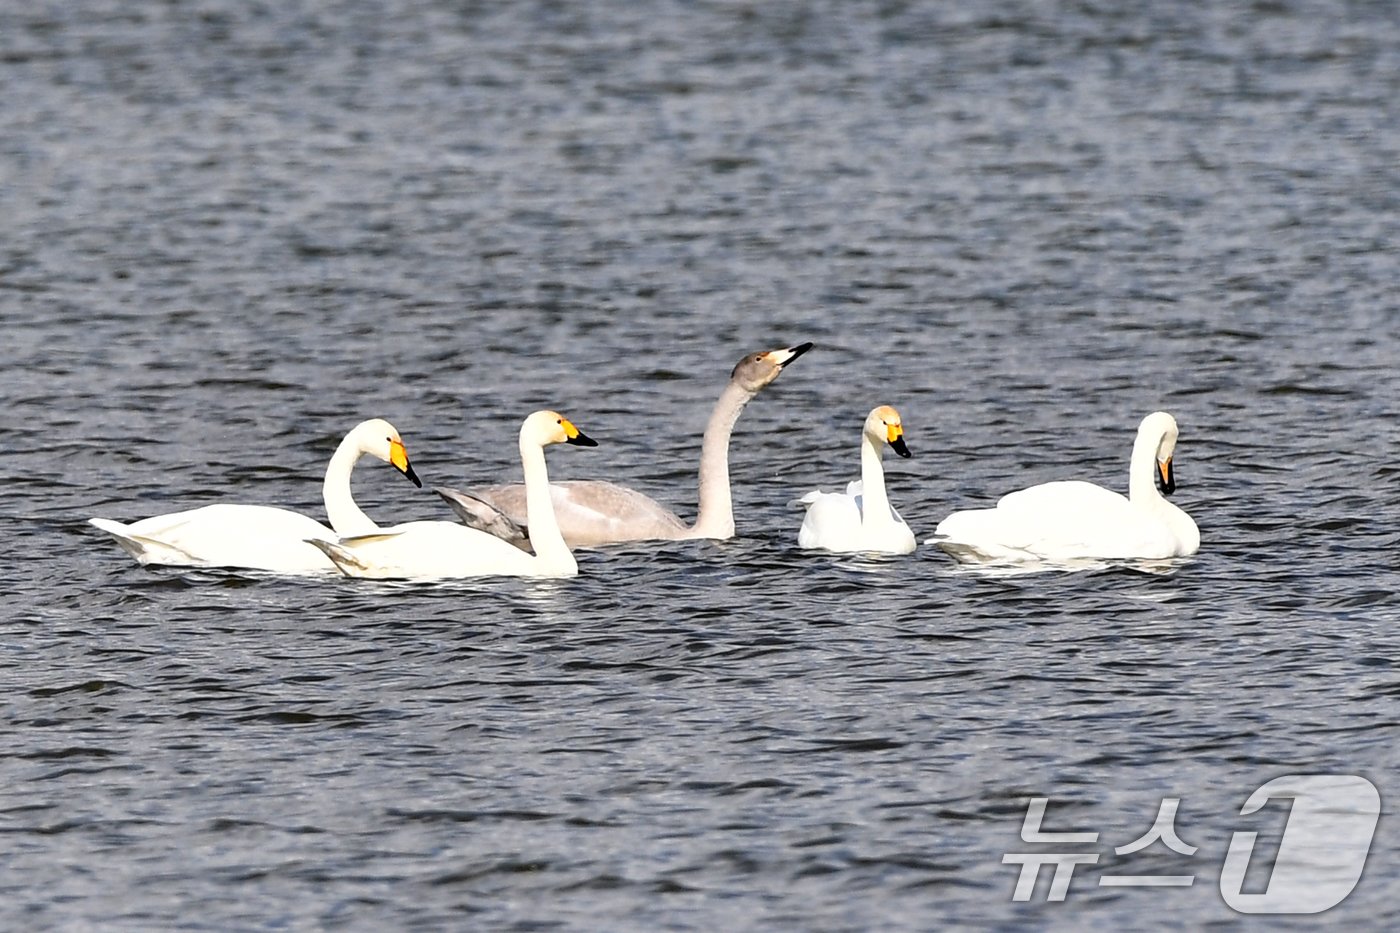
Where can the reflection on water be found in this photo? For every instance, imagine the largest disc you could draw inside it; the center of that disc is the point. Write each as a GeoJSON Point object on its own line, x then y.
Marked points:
{"type": "Point", "coordinates": [1011, 568]}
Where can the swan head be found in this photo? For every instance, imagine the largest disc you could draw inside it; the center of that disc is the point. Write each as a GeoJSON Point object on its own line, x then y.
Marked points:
{"type": "Point", "coordinates": [379, 438]}
{"type": "Point", "coordinates": [550, 427]}
{"type": "Point", "coordinates": [758, 369]}
{"type": "Point", "coordinates": [1160, 432]}
{"type": "Point", "coordinates": [883, 425]}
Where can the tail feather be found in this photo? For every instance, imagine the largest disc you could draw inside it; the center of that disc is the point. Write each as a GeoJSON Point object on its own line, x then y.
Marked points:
{"type": "Point", "coordinates": [963, 553]}
{"type": "Point", "coordinates": [144, 549]}
{"type": "Point", "coordinates": [132, 545]}
{"type": "Point", "coordinates": [343, 557]}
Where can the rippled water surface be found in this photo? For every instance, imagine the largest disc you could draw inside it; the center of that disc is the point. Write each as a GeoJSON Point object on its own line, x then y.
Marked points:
{"type": "Point", "coordinates": [232, 230]}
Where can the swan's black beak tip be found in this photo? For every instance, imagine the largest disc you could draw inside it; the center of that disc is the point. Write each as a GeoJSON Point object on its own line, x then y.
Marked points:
{"type": "Point", "coordinates": [582, 440]}
{"type": "Point", "coordinates": [899, 447]}
{"type": "Point", "coordinates": [409, 472]}
{"type": "Point", "coordinates": [796, 351]}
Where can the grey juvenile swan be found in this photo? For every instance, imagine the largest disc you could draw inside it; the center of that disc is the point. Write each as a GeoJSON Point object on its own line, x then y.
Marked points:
{"type": "Point", "coordinates": [594, 512]}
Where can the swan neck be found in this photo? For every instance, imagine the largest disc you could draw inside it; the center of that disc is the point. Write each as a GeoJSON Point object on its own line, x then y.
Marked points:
{"type": "Point", "coordinates": [1142, 488]}
{"type": "Point", "coordinates": [716, 515]}
{"type": "Point", "coordinates": [545, 536]}
{"type": "Point", "coordinates": [345, 516]}
{"type": "Point", "coordinates": [876, 510]}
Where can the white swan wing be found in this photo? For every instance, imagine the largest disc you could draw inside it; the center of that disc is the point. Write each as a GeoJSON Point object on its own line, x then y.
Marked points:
{"type": "Point", "coordinates": [429, 551]}
{"type": "Point", "coordinates": [1055, 521]}
{"type": "Point", "coordinates": [834, 523]}
{"type": "Point", "coordinates": [591, 512]}
{"type": "Point", "coordinates": [1064, 498]}
{"type": "Point", "coordinates": [256, 537]}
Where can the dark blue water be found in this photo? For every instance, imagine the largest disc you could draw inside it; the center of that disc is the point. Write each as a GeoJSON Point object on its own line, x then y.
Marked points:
{"type": "Point", "coordinates": [233, 230]}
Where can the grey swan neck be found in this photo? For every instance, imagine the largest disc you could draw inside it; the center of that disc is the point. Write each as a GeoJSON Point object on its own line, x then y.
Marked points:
{"type": "Point", "coordinates": [715, 518]}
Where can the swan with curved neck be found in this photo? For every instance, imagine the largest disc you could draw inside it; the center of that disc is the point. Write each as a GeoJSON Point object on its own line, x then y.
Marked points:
{"type": "Point", "coordinates": [861, 518]}
{"type": "Point", "coordinates": [447, 550]}
{"type": "Point", "coordinates": [1073, 520]}
{"type": "Point", "coordinates": [594, 512]}
{"type": "Point", "coordinates": [260, 537]}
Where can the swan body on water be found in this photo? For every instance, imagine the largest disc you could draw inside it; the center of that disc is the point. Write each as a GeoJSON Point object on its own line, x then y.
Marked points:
{"type": "Point", "coordinates": [1074, 520]}
{"type": "Point", "coordinates": [861, 518]}
{"type": "Point", "coordinates": [595, 512]}
{"type": "Point", "coordinates": [259, 537]}
{"type": "Point", "coordinates": [447, 550]}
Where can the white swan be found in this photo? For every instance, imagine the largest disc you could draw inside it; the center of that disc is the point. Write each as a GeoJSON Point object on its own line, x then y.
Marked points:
{"type": "Point", "coordinates": [260, 537]}
{"type": "Point", "coordinates": [1072, 520]}
{"type": "Point", "coordinates": [446, 550]}
{"type": "Point", "coordinates": [594, 512]}
{"type": "Point", "coordinates": [861, 518]}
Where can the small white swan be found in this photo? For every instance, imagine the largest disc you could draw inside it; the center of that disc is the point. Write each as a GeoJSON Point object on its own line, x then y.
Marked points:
{"type": "Point", "coordinates": [861, 518]}
{"type": "Point", "coordinates": [260, 537]}
{"type": "Point", "coordinates": [1074, 520]}
{"type": "Point", "coordinates": [594, 512]}
{"type": "Point", "coordinates": [447, 550]}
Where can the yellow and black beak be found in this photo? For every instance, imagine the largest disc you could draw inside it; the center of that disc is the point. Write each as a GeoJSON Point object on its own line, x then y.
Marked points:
{"type": "Point", "coordinates": [1164, 478]}
{"type": "Point", "coordinates": [398, 456]}
{"type": "Point", "coordinates": [574, 436]}
{"type": "Point", "coordinates": [894, 433]}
